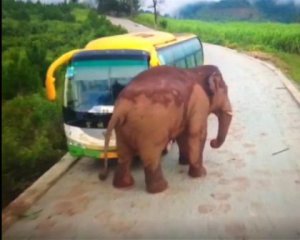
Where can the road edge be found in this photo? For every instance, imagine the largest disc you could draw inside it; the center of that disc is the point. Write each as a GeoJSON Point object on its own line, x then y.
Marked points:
{"type": "Point", "coordinates": [288, 83]}
{"type": "Point", "coordinates": [27, 198]}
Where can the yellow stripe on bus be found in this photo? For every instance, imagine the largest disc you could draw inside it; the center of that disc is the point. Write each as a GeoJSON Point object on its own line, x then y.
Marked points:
{"type": "Point", "coordinates": [109, 155]}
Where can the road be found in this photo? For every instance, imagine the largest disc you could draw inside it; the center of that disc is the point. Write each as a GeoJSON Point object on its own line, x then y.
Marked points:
{"type": "Point", "coordinates": [251, 191]}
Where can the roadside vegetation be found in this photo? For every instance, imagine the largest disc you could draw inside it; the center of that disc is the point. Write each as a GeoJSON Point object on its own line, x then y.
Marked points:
{"type": "Point", "coordinates": [33, 35]}
{"type": "Point", "coordinates": [276, 42]}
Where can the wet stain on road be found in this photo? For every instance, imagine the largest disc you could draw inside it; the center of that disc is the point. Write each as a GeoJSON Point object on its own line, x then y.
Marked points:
{"type": "Point", "coordinates": [251, 152]}
{"type": "Point", "coordinates": [240, 164]}
{"type": "Point", "coordinates": [114, 222]}
{"type": "Point", "coordinates": [237, 162]}
{"type": "Point", "coordinates": [241, 183]}
{"type": "Point", "coordinates": [290, 172]}
{"type": "Point", "coordinates": [263, 172]}
{"type": "Point", "coordinates": [220, 196]}
{"type": "Point", "coordinates": [224, 208]}
{"type": "Point", "coordinates": [76, 191]}
{"type": "Point", "coordinates": [214, 164]}
{"type": "Point", "coordinates": [45, 225]}
{"type": "Point", "coordinates": [237, 230]}
{"type": "Point", "coordinates": [249, 145]}
{"type": "Point", "coordinates": [70, 208]}
{"type": "Point", "coordinates": [104, 215]}
{"type": "Point", "coordinates": [121, 226]}
{"type": "Point", "coordinates": [215, 174]}
{"type": "Point", "coordinates": [264, 183]}
{"type": "Point", "coordinates": [214, 209]}
{"type": "Point", "coordinates": [257, 206]}
{"type": "Point", "coordinates": [224, 181]}
{"type": "Point", "coordinates": [206, 208]}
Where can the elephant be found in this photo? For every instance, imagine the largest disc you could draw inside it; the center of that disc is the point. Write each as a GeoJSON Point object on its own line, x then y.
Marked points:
{"type": "Point", "coordinates": [162, 104]}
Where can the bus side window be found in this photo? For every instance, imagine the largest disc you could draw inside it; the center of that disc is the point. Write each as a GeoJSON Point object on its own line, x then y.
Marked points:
{"type": "Point", "coordinates": [179, 55]}
{"type": "Point", "coordinates": [180, 63]}
{"type": "Point", "coordinates": [166, 56]}
{"type": "Point", "coordinates": [198, 57]}
{"type": "Point", "coordinates": [198, 51]}
{"type": "Point", "coordinates": [161, 59]}
{"type": "Point", "coordinates": [186, 54]}
{"type": "Point", "coordinates": [190, 60]}
{"type": "Point", "coordinates": [189, 50]}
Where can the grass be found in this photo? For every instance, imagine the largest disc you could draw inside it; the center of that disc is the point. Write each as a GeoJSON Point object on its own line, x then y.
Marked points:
{"type": "Point", "coordinates": [80, 14]}
{"type": "Point", "coordinates": [287, 62]}
{"type": "Point", "coordinates": [280, 42]}
{"type": "Point", "coordinates": [292, 64]}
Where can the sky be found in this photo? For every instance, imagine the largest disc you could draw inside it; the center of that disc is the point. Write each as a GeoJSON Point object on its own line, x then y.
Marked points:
{"type": "Point", "coordinates": [170, 6]}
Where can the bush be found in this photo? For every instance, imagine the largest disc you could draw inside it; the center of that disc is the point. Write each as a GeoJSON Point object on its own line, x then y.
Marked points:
{"type": "Point", "coordinates": [20, 77]}
{"type": "Point", "coordinates": [33, 139]}
{"type": "Point", "coordinates": [163, 23]}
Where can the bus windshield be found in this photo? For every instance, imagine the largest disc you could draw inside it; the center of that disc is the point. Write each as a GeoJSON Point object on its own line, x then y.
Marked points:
{"type": "Point", "coordinates": [92, 83]}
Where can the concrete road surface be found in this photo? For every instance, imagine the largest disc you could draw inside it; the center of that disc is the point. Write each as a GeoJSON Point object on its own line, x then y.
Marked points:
{"type": "Point", "coordinates": [251, 191]}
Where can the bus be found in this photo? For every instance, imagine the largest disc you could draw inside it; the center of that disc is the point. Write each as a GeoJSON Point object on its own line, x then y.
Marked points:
{"type": "Point", "coordinates": [97, 73]}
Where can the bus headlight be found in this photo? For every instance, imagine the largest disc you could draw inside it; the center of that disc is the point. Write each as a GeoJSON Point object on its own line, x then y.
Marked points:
{"type": "Point", "coordinates": [74, 143]}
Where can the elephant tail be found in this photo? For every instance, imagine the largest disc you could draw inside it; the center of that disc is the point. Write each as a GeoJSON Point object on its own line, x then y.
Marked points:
{"type": "Point", "coordinates": [111, 126]}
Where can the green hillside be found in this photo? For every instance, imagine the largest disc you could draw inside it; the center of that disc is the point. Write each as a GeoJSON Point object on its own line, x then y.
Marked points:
{"type": "Point", "coordinates": [33, 35]}
{"type": "Point", "coordinates": [279, 42]}
{"type": "Point", "coordinates": [242, 10]}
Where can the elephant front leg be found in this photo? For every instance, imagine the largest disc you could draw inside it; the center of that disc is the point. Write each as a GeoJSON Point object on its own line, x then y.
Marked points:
{"type": "Point", "coordinates": [183, 146]}
{"type": "Point", "coordinates": [196, 168]}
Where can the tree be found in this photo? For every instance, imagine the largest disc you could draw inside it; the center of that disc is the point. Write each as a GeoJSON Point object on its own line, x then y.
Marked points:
{"type": "Point", "coordinates": [155, 5]}
{"type": "Point", "coordinates": [20, 76]}
{"type": "Point", "coordinates": [118, 7]}
{"type": "Point", "coordinates": [106, 6]}
{"type": "Point", "coordinates": [36, 53]}
{"type": "Point", "coordinates": [134, 5]}
{"type": "Point", "coordinates": [27, 76]}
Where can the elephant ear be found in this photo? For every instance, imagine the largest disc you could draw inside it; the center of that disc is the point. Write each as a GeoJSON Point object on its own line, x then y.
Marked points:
{"type": "Point", "coordinates": [213, 83]}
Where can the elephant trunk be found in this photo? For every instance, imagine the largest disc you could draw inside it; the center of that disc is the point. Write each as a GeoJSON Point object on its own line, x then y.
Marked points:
{"type": "Point", "coordinates": [224, 123]}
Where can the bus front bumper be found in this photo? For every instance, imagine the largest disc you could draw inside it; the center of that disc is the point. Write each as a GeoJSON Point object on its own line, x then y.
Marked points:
{"type": "Point", "coordinates": [78, 151]}
{"type": "Point", "coordinates": [88, 142]}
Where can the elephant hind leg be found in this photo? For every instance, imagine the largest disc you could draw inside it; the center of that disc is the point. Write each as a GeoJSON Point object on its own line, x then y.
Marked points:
{"type": "Point", "coordinates": [154, 179]}
{"type": "Point", "coordinates": [122, 177]}
{"type": "Point", "coordinates": [182, 141]}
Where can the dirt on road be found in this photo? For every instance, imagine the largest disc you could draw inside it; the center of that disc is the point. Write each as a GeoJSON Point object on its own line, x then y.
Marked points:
{"type": "Point", "coordinates": [252, 188]}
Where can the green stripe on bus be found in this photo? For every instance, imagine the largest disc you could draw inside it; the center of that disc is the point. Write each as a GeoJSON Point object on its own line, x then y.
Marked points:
{"type": "Point", "coordinates": [80, 152]}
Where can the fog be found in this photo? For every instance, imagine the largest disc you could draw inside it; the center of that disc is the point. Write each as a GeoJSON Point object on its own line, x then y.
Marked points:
{"type": "Point", "coordinates": [171, 6]}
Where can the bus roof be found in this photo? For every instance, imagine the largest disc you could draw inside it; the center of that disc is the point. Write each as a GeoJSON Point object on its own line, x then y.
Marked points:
{"type": "Point", "coordinates": [139, 41]}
